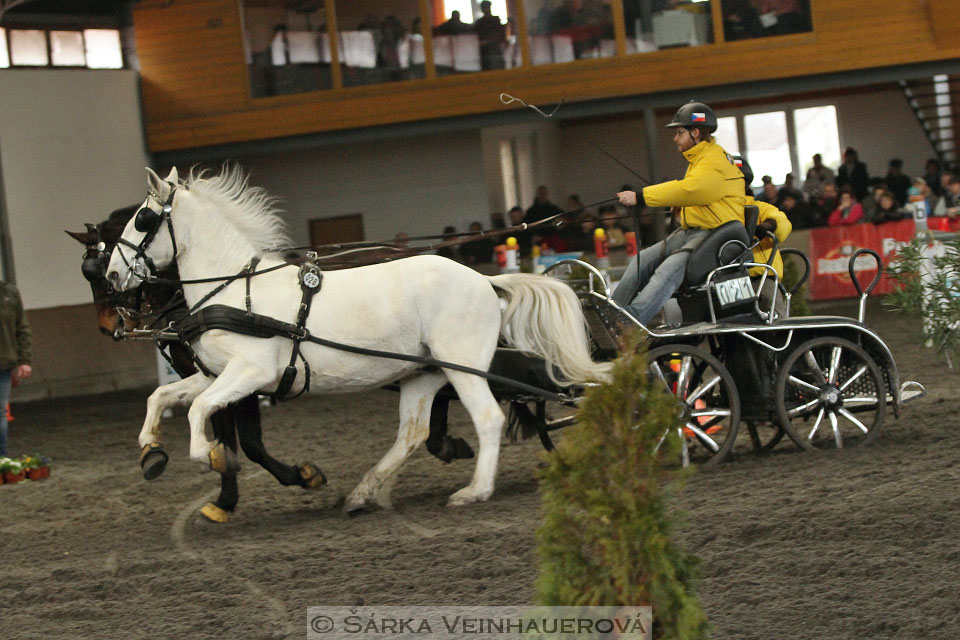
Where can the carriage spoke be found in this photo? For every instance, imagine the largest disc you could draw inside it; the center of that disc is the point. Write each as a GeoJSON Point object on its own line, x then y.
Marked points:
{"type": "Point", "coordinates": [703, 437]}
{"type": "Point", "coordinates": [836, 429]}
{"type": "Point", "coordinates": [683, 381]}
{"type": "Point", "coordinates": [816, 425]}
{"type": "Point", "coordinates": [658, 372]}
{"type": "Point", "coordinates": [725, 413]}
{"type": "Point", "coordinates": [702, 389]}
{"type": "Point", "coordinates": [811, 361]}
{"type": "Point", "coordinates": [685, 450]}
{"type": "Point", "coordinates": [834, 365]}
{"type": "Point", "coordinates": [803, 384]}
{"type": "Point", "coordinates": [849, 416]}
{"type": "Point", "coordinates": [796, 411]}
{"type": "Point", "coordinates": [860, 401]}
{"type": "Point", "coordinates": [854, 377]}
{"type": "Point", "coordinates": [663, 438]}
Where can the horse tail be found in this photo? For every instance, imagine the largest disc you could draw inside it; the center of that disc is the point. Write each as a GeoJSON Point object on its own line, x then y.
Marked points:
{"type": "Point", "coordinates": [543, 317]}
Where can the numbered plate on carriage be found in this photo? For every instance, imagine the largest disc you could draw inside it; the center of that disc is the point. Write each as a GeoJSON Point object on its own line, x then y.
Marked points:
{"type": "Point", "coordinates": [734, 291]}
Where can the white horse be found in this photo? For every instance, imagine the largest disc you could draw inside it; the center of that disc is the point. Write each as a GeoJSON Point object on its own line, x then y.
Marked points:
{"type": "Point", "coordinates": [420, 306]}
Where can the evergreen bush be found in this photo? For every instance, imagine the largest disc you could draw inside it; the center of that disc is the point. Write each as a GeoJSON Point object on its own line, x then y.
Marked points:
{"type": "Point", "coordinates": [605, 535]}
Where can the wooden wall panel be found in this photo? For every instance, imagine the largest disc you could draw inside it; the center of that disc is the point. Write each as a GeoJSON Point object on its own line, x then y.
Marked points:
{"type": "Point", "coordinates": [195, 86]}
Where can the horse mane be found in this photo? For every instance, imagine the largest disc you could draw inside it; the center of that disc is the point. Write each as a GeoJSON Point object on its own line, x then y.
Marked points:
{"type": "Point", "coordinates": [252, 210]}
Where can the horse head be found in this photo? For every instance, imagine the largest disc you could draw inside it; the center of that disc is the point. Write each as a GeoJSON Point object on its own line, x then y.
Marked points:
{"type": "Point", "coordinates": [146, 243]}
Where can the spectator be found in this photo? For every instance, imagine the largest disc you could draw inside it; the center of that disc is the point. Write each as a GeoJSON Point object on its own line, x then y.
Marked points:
{"type": "Point", "coordinates": [740, 20]}
{"type": "Point", "coordinates": [449, 252]}
{"type": "Point", "coordinates": [920, 192]}
{"type": "Point", "coordinates": [888, 209]}
{"type": "Point", "coordinates": [872, 201]}
{"type": "Point", "coordinates": [790, 15]}
{"type": "Point", "coordinates": [827, 202]}
{"type": "Point", "coordinates": [496, 220]}
{"type": "Point", "coordinates": [897, 182]}
{"type": "Point", "coordinates": [478, 251]}
{"type": "Point", "coordinates": [801, 214]}
{"type": "Point", "coordinates": [541, 207]}
{"type": "Point", "coordinates": [401, 240]}
{"type": "Point", "coordinates": [612, 225]}
{"type": "Point", "coordinates": [950, 203]}
{"type": "Point", "coordinates": [788, 188]}
{"type": "Point", "coordinates": [848, 211]}
{"type": "Point", "coordinates": [452, 27]}
{"type": "Point", "coordinates": [817, 176]}
{"type": "Point", "coordinates": [493, 38]}
{"type": "Point", "coordinates": [15, 351]}
{"type": "Point", "coordinates": [932, 176]}
{"type": "Point", "coordinates": [524, 238]}
{"type": "Point", "coordinates": [769, 193]}
{"type": "Point", "coordinates": [582, 237]}
{"type": "Point", "coordinates": [853, 173]}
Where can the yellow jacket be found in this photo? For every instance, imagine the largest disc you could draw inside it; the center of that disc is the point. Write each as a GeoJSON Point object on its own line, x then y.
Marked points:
{"type": "Point", "coordinates": [711, 192]}
{"type": "Point", "coordinates": [762, 251]}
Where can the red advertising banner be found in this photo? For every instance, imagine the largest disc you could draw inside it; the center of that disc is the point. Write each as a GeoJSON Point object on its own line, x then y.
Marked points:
{"type": "Point", "coordinates": [831, 248]}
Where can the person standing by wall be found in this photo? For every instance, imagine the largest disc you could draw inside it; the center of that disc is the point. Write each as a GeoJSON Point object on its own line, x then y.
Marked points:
{"type": "Point", "coordinates": [15, 351]}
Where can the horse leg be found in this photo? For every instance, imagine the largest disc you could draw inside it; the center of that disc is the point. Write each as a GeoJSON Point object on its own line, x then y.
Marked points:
{"type": "Point", "coordinates": [416, 398]}
{"type": "Point", "coordinates": [488, 420]}
{"type": "Point", "coordinates": [153, 459]}
{"type": "Point", "coordinates": [238, 380]}
{"type": "Point", "coordinates": [246, 413]}
{"type": "Point", "coordinates": [224, 432]}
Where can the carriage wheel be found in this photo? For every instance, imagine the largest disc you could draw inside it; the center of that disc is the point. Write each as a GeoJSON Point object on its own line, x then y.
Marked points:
{"type": "Point", "coordinates": [706, 398]}
{"type": "Point", "coordinates": [764, 436]}
{"type": "Point", "coordinates": [830, 394]}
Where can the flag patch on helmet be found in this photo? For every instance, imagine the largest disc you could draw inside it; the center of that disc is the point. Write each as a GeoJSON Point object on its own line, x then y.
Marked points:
{"type": "Point", "coordinates": [699, 117]}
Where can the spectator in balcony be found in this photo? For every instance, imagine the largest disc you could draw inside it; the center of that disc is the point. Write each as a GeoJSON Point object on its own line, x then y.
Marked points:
{"type": "Point", "coordinates": [897, 182]}
{"type": "Point", "coordinates": [932, 176]}
{"type": "Point", "coordinates": [801, 214]}
{"type": "Point", "coordinates": [827, 202]}
{"type": "Point", "coordinates": [493, 38]}
{"type": "Point", "coordinates": [853, 173]}
{"type": "Point", "coordinates": [478, 251]}
{"type": "Point", "coordinates": [849, 211]}
{"type": "Point", "coordinates": [887, 210]}
{"type": "Point", "coordinates": [791, 16]}
{"type": "Point", "coordinates": [817, 176]}
{"type": "Point", "coordinates": [392, 32]}
{"type": "Point", "coordinates": [452, 27]}
{"type": "Point", "coordinates": [740, 20]}
{"type": "Point", "coordinates": [788, 188]}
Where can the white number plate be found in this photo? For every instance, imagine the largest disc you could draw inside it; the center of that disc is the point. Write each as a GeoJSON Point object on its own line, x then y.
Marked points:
{"type": "Point", "coordinates": [734, 291]}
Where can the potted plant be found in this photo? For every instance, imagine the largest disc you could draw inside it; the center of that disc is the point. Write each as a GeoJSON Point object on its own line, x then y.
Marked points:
{"type": "Point", "coordinates": [35, 466]}
{"type": "Point", "coordinates": [12, 470]}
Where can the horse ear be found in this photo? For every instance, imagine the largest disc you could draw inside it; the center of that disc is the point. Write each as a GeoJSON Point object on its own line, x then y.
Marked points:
{"type": "Point", "coordinates": [86, 238]}
{"type": "Point", "coordinates": [154, 181]}
{"type": "Point", "coordinates": [173, 177]}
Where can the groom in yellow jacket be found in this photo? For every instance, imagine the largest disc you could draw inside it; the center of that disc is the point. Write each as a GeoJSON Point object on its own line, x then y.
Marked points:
{"type": "Point", "coordinates": [710, 194]}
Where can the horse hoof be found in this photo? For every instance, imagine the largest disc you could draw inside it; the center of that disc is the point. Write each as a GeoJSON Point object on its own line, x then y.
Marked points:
{"type": "Point", "coordinates": [213, 513]}
{"type": "Point", "coordinates": [223, 460]}
{"type": "Point", "coordinates": [311, 477]}
{"type": "Point", "coordinates": [153, 460]}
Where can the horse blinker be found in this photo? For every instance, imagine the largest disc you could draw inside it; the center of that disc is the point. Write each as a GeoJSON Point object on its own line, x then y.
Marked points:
{"type": "Point", "coordinates": [147, 221]}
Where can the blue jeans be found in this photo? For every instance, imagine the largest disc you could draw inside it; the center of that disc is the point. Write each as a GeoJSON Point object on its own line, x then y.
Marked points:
{"type": "Point", "coordinates": [644, 289]}
{"type": "Point", "coordinates": [5, 379]}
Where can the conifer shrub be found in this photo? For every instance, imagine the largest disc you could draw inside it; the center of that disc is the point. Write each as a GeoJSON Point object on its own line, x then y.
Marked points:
{"type": "Point", "coordinates": [605, 535]}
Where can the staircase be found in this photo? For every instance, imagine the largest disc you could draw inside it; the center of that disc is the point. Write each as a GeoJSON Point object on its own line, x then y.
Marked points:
{"type": "Point", "coordinates": [936, 103]}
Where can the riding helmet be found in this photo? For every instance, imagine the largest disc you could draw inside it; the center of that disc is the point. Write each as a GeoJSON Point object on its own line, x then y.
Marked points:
{"type": "Point", "coordinates": [695, 115]}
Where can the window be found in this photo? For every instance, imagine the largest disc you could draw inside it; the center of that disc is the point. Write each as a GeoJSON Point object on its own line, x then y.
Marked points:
{"type": "Point", "coordinates": [516, 167]}
{"type": "Point", "coordinates": [768, 149]}
{"type": "Point", "coordinates": [817, 132]}
{"type": "Point", "coordinates": [464, 40]}
{"type": "Point", "coordinates": [726, 135]}
{"type": "Point", "coordinates": [90, 48]}
{"type": "Point", "coordinates": [562, 31]}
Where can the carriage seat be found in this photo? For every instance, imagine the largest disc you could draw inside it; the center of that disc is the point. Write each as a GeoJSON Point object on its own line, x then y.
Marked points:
{"type": "Point", "coordinates": [707, 256]}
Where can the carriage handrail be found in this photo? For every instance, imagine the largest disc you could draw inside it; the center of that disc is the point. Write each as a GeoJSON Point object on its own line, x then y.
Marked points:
{"type": "Point", "coordinates": [593, 271]}
{"type": "Point", "coordinates": [863, 293]}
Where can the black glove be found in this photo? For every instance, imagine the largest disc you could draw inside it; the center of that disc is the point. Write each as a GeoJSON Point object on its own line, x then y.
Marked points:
{"type": "Point", "coordinates": [768, 226]}
{"type": "Point", "coordinates": [640, 201]}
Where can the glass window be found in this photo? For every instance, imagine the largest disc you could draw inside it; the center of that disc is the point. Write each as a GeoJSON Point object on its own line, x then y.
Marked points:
{"type": "Point", "coordinates": [568, 30]}
{"type": "Point", "coordinates": [28, 47]}
{"type": "Point", "coordinates": [767, 145]}
{"type": "Point", "coordinates": [665, 24]}
{"type": "Point", "coordinates": [103, 48]}
{"type": "Point", "coordinates": [743, 19]}
{"type": "Point", "coordinates": [66, 49]}
{"type": "Point", "coordinates": [4, 57]}
{"type": "Point", "coordinates": [726, 135]}
{"type": "Point", "coordinates": [379, 42]}
{"type": "Point", "coordinates": [816, 131]}
{"type": "Point", "coordinates": [473, 36]}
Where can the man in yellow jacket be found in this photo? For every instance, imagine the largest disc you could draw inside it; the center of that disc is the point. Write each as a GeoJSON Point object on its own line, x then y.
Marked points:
{"type": "Point", "coordinates": [710, 194]}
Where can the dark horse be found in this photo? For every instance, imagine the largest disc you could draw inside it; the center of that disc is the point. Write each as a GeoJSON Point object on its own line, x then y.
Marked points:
{"type": "Point", "coordinates": [164, 301]}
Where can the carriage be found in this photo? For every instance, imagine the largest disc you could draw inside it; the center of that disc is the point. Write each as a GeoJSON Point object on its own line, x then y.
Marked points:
{"type": "Point", "coordinates": [743, 371]}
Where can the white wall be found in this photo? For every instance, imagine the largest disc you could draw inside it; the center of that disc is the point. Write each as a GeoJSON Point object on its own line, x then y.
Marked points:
{"type": "Point", "coordinates": [71, 151]}
{"type": "Point", "coordinates": [415, 185]}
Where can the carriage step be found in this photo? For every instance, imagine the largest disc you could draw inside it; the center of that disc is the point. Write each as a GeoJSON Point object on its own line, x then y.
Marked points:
{"type": "Point", "coordinates": [602, 330]}
{"type": "Point", "coordinates": [909, 391]}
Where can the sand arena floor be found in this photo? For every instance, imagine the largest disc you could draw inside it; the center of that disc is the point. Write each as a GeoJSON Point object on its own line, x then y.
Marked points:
{"type": "Point", "coordinates": [850, 544]}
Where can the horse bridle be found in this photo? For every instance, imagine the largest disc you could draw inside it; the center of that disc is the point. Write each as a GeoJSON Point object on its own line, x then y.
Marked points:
{"type": "Point", "coordinates": [148, 222]}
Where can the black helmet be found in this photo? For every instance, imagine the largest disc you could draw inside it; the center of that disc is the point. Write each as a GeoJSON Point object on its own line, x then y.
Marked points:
{"type": "Point", "coordinates": [695, 115]}
{"type": "Point", "coordinates": [745, 168]}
